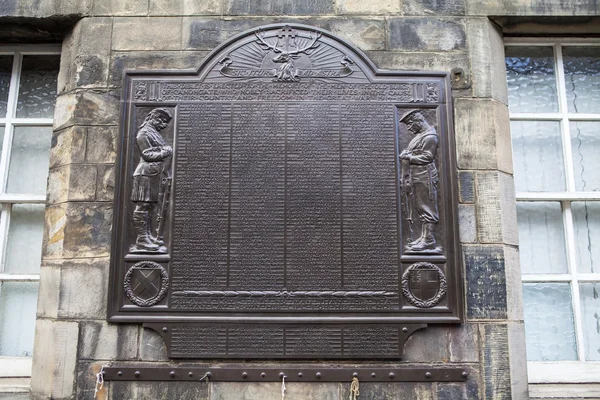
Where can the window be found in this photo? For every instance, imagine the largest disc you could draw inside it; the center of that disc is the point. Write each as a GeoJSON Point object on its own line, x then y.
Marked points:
{"type": "Point", "coordinates": [554, 102]}
{"type": "Point", "coordinates": [28, 85]}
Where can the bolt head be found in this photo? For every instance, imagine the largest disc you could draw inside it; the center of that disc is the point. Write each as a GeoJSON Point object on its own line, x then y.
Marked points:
{"type": "Point", "coordinates": [164, 329]}
{"type": "Point", "coordinates": [244, 375]}
{"type": "Point", "coordinates": [172, 373]}
{"type": "Point", "coordinates": [262, 374]}
{"type": "Point", "coordinates": [373, 374]}
{"type": "Point", "coordinates": [120, 373]}
{"type": "Point", "coordinates": [427, 374]}
{"type": "Point", "coordinates": [392, 375]}
{"type": "Point", "coordinates": [300, 374]}
{"type": "Point", "coordinates": [137, 373]}
{"type": "Point", "coordinates": [465, 374]}
{"type": "Point", "coordinates": [405, 329]}
{"type": "Point", "coordinates": [318, 375]}
{"type": "Point", "coordinates": [190, 373]}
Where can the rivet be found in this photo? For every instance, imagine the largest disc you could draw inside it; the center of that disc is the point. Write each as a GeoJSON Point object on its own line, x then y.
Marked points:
{"type": "Point", "coordinates": [262, 374]}
{"type": "Point", "coordinates": [318, 375]}
{"type": "Point", "coordinates": [373, 374]}
{"type": "Point", "coordinates": [355, 374]}
{"type": "Point", "coordinates": [172, 373]}
{"type": "Point", "coordinates": [428, 375]}
{"type": "Point", "coordinates": [244, 375]}
{"type": "Point", "coordinates": [405, 329]}
{"type": "Point", "coordinates": [165, 329]}
{"type": "Point", "coordinates": [392, 375]}
{"type": "Point", "coordinates": [137, 373]}
{"type": "Point", "coordinates": [299, 374]}
{"type": "Point", "coordinates": [120, 373]}
{"type": "Point", "coordinates": [190, 373]}
{"type": "Point", "coordinates": [208, 374]}
{"type": "Point", "coordinates": [465, 374]}
{"type": "Point", "coordinates": [281, 374]}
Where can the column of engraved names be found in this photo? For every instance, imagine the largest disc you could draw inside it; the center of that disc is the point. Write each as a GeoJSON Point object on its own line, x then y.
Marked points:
{"type": "Point", "coordinates": [257, 197]}
{"type": "Point", "coordinates": [201, 197]}
{"type": "Point", "coordinates": [369, 223]}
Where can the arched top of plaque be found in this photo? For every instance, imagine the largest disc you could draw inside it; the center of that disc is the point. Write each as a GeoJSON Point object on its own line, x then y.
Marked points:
{"type": "Point", "coordinates": [293, 53]}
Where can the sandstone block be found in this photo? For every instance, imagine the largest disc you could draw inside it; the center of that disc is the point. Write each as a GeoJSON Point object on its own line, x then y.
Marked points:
{"type": "Point", "coordinates": [496, 208]}
{"type": "Point", "coordinates": [161, 390]}
{"type": "Point", "coordinates": [73, 182]}
{"type": "Point", "coordinates": [468, 390]}
{"type": "Point", "coordinates": [532, 7]}
{"type": "Point", "coordinates": [389, 390]}
{"type": "Point", "coordinates": [154, 60]}
{"type": "Point", "coordinates": [485, 282]}
{"type": "Point", "coordinates": [54, 231]}
{"type": "Point", "coordinates": [433, 7]}
{"type": "Point", "coordinates": [482, 135]}
{"type": "Point", "coordinates": [83, 289]}
{"type": "Point", "coordinates": [68, 146]}
{"type": "Point", "coordinates": [102, 341]}
{"type": "Point", "coordinates": [369, 7]}
{"type": "Point", "coordinates": [418, 347]}
{"type": "Point", "coordinates": [185, 7]}
{"type": "Point", "coordinates": [427, 34]}
{"type": "Point", "coordinates": [87, 107]}
{"type": "Point", "coordinates": [105, 184]}
{"type": "Point", "coordinates": [518, 360]}
{"type": "Point", "coordinates": [463, 343]}
{"type": "Point", "coordinates": [119, 7]}
{"type": "Point", "coordinates": [277, 7]}
{"type": "Point", "coordinates": [49, 290]}
{"type": "Point", "coordinates": [486, 49]}
{"type": "Point", "coordinates": [45, 9]}
{"type": "Point", "coordinates": [86, 381]}
{"type": "Point", "coordinates": [101, 144]}
{"type": "Point", "coordinates": [272, 391]}
{"type": "Point", "coordinates": [496, 365]}
{"type": "Point", "coordinates": [366, 34]}
{"type": "Point", "coordinates": [466, 187]}
{"type": "Point", "coordinates": [152, 346]}
{"type": "Point", "coordinates": [467, 223]}
{"type": "Point", "coordinates": [85, 230]}
{"type": "Point", "coordinates": [514, 288]}
{"type": "Point", "coordinates": [54, 359]}
{"type": "Point", "coordinates": [148, 33]}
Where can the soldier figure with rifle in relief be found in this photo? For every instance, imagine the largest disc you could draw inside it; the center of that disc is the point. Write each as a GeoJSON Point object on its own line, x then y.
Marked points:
{"type": "Point", "coordinates": [419, 181]}
{"type": "Point", "coordinates": [151, 182]}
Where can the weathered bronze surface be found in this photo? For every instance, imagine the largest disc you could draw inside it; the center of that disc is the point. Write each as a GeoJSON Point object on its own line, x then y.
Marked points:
{"type": "Point", "coordinates": [287, 184]}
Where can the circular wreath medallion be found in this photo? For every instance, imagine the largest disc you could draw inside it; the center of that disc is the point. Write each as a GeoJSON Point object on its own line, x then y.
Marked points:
{"type": "Point", "coordinates": [424, 284]}
{"type": "Point", "coordinates": [146, 283]}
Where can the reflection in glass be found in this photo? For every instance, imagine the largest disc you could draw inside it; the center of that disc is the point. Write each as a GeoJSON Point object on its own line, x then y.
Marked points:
{"type": "Point", "coordinates": [585, 145]}
{"type": "Point", "coordinates": [18, 303]}
{"type": "Point", "coordinates": [26, 231]}
{"type": "Point", "coordinates": [537, 156]}
{"type": "Point", "coordinates": [38, 86]}
{"type": "Point", "coordinates": [590, 308]}
{"type": "Point", "coordinates": [586, 224]}
{"type": "Point", "coordinates": [5, 71]}
{"type": "Point", "coordinates": [550, 331]}
{"type": "Point", "coordinates": [531, 79]}
{"type": "Point", "coordinates": [541, 238]}
{"type": "Point", "coordinates": [582, 78]}
{"type": "Point", "coordinates": [29, 160]}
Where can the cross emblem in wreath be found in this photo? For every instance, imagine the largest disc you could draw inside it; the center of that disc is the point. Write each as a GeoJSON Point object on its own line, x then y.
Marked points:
{"type": "Point", "coordinates": [424, 284]}
{"type": "Point", "coordinates": [146, 283]}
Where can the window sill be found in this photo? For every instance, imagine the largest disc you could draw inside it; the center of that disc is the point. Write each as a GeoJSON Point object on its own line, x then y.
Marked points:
{"type": "Point", "coordinates": [563, 372]}
{"type": "Point", "coordinates": [564, 391]}
{"type": "Point", "coordinates": [14, 385]}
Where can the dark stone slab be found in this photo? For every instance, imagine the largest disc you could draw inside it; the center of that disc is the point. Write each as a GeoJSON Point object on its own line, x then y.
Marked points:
{"type": "Point", "coordinates": [278, 7]}
{"type": "Point", "coordinates": [466, 185]}
{"type": "Point", "coordinates": [486, 282]}
{"type": "Point", "coordinates": [427, 34]}
{"type": "Point", "coordinates": [496, 364]}
{"type": "Point", "coordinates": [437, 7]}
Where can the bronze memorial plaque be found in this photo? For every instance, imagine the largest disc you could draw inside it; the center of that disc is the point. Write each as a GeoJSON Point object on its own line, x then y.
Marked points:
{"type": "Point", "coordinates": [286, 200]}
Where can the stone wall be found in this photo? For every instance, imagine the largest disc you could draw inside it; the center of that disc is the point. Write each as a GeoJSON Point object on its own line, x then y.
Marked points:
{"type": "Point", "coordinates": [73, 340]}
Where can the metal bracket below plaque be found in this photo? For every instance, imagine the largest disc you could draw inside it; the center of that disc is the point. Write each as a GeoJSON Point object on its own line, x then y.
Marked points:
{"type": "Point", "coordinates": [313, 373]}
{"type": "Point", "coordinates": [285, 341]}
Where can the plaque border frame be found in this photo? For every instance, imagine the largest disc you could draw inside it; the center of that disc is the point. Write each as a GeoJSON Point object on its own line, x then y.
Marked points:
{"type": "Point", "coordinates": [161, 313]}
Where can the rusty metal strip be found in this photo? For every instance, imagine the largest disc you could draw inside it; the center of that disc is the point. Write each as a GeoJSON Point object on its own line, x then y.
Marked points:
{"type": "Point", "coordinates": [292, 374]}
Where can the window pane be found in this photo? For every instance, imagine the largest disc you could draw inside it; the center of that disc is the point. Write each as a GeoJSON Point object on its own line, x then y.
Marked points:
{"type": "Point", "coordinates": [37, 89]}
{"type": "Point", "coordinates": [550, 332]}
{"type": "Point", "coordinates": [25, 234]}
{"type": "Point", "coordinates": [531, 79]}
{"type": "Point", "coordinates": [29, 160]}
{"type": "Point", "coordinates": [590, 307]}
{"type": "Point", "coordinates": [5, 71]}
{"type": "Point", "coordinates": [586, 223]}
{"type": "Point", "coordinates": [585, 144]}
{"type": "Point", "coordinates": [537, 156]}
{"type": "Point", "coordinates": [582, 78]}
{"type": "Point", "coordinates": [18, 303]}
{"type": "Point", "coordinates": [541, 238]}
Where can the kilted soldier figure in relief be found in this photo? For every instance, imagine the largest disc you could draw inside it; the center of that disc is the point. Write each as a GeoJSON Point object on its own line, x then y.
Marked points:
{"type": "Point", "coordinates": [151, 182]}
{"type": "Point", "coordinates": [420, 181]}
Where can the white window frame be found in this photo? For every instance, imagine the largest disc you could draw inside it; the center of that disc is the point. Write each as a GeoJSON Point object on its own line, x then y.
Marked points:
{"type": "Point", "coordinates": [580, 371]}
{"type": "Point", "coordinates": [16, 367]}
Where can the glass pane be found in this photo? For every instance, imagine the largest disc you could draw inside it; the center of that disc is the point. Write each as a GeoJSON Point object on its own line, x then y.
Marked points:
{"type": "Point", "coordinates": [25, 234]}
{"type": "Point", "coordinates": [582, 78]}
{"type": "Point", "coordinates": [537, 156]}
{"type": "Point", "coordinates": [549, 327]}
{"type": "Point", "coordinates": [531, 79]}
{"type": "Point", "coordinates": [586, 224]}
{"type": "Point", "coordinates": [590, 308]}
{"type": "Point", "coordinates": [585, 144]}
{"type": "Point", "coordinates": [541, 238]}
{"type": "Point", "coordinates": [29, 160]}
{"type": "Point", "coordinates": [37, 89]}
{"type": "Point", "coordinates": [5, 71]}
{"type": "Point", "coordinates": [18, 303]}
